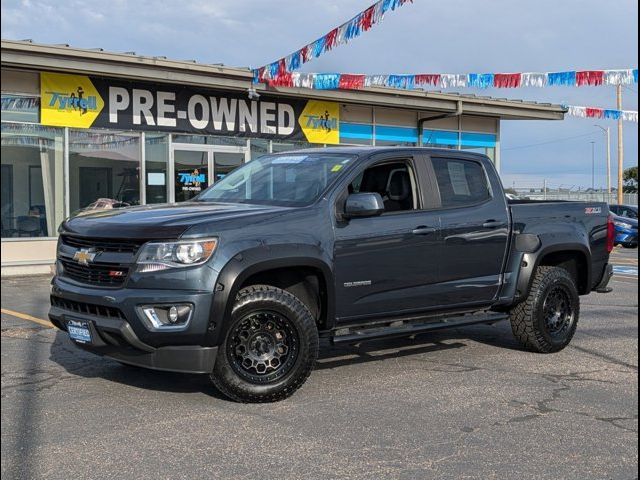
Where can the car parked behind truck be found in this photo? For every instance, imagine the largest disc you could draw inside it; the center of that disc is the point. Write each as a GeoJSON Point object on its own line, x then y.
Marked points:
{"type": "Point", "coordinates": [348, 244]}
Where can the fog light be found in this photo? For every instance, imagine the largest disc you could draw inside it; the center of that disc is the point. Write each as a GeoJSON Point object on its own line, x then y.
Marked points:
{"type": "Point", "coordinates": [165, 317]}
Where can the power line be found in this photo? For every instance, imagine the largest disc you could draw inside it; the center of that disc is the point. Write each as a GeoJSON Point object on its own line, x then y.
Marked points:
{"type": "Point", "coordinates": [557, 140]}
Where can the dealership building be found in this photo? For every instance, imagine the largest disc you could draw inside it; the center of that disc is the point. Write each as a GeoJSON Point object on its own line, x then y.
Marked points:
{"type": "Point", "coordinates": [85, 128]}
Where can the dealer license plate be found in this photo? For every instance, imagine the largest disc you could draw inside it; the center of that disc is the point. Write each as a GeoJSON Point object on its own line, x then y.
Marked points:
{"type": "Point", "coordinates": [79, 331]}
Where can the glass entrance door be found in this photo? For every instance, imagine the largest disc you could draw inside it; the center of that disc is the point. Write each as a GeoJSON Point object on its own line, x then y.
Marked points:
{"type": "Point", "coordinates": [195, 167]}
{"type": "Point", "coordinates": [192, 172]}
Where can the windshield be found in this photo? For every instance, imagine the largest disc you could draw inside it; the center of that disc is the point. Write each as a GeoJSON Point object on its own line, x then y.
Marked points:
{"type": "Point", "coordinates": [286, 180]}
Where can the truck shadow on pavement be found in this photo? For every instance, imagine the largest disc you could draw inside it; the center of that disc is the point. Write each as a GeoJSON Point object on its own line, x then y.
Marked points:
{"type": "Point", "coordinates": [80, 363]}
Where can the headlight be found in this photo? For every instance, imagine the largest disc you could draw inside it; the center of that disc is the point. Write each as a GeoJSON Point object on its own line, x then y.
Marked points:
{"type": "Point", "coordinates": [156, 256]}
{"type": "Point", "coordinates": [626, 226]}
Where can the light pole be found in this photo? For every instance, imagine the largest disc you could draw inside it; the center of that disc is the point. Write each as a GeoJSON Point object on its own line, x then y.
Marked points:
{"type": "Point", "coordinates": [620, 147]}
{"type": "Point", "coordinates": [607, 132]}
{"type": "Point", "coordinates": [593, 166]}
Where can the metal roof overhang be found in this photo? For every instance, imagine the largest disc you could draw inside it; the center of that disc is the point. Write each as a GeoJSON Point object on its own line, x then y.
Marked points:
{"type": "Point", "coordinates": [27, 55]}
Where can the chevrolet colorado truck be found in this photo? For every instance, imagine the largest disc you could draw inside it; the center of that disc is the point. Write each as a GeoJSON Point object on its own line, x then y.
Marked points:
{"type": "Point", "coordinates": [348, 244]}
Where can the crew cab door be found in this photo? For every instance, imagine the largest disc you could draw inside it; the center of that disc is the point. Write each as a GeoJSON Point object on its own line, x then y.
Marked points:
{"type": "Point", "coordinates": [474, 222]}
{"type": "Point", "coordinates": [387, 264]}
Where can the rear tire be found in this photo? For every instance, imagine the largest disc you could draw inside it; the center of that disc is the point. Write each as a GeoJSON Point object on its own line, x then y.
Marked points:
{"type": "Point", "coordinates": [270, 348]}
{"type": "Point", "coordinates": [546, 320]}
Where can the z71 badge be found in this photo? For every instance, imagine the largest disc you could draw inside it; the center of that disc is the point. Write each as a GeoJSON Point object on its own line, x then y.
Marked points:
{"type": "Point", "coordinates": [593, 210]}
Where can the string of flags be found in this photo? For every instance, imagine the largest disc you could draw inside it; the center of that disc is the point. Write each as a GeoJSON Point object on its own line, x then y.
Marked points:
{"type": "Point", "coordinates": [327, 81]}
{"type": "Point", "coordinates": [602, 113]}
{"type": "Point", "coordinates": [340, 35]}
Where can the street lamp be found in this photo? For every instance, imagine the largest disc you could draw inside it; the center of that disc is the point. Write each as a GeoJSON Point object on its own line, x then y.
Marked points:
{"type": "Point", "coordinates": [607, 132]}
{"type": "Point", "coordinates": [593, 166]}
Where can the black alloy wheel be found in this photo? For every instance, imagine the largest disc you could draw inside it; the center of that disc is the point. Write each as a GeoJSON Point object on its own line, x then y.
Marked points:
{"type": "Point", "coordinates": [558, 311]}
{"type": "Point", "coordinates": [270, 347]}
{"type": "Point", "coordinates": [263, 346]}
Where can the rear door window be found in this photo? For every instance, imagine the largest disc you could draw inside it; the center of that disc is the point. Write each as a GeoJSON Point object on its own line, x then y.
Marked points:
{"type": "Point", "coordinates": [461, 182]}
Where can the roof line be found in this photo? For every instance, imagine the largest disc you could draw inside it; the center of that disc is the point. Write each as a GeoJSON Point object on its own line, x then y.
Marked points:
{"type": "Point", "coordinates": [42, 57]}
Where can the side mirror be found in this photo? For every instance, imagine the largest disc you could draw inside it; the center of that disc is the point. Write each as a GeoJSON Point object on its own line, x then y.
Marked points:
{"type": "Point", "coordinates": [359, 205]}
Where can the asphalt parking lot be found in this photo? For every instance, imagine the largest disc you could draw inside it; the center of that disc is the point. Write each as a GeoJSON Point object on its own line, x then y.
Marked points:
{"type": "Point", "coordinates": [466, 403]}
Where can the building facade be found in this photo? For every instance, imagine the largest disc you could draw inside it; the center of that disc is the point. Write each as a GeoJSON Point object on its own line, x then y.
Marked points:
{"type": "Point", "coordinates": [90, 129]}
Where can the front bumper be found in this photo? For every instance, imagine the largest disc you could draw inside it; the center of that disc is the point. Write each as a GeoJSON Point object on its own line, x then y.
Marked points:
{"type": "Point", "coordinates": [118, 332]}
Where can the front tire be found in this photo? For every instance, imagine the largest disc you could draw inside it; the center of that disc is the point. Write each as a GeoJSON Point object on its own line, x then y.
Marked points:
{"type": "Point", "coordinates": [546, 320]}
{"type": "Point", "coordinates": [270, 348]}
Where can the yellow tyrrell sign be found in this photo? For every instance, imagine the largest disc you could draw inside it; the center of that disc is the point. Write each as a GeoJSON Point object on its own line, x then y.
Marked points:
{"type": "Point", "coordinates": [68, 100]}
{"type": "Point", "coordinates": [320, 122]}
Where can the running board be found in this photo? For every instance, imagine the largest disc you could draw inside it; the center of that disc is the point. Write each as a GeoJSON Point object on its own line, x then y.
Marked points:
{"type": "Point", "coordinates": [362, 334]}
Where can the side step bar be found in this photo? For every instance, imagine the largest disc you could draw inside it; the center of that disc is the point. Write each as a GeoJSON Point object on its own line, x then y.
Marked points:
{"type": "Point", "coordinates": [408, 329]}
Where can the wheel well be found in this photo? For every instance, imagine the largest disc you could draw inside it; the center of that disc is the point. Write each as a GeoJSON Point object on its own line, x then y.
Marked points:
{"type": "Point", "coordinates": [575, 263]}
{"type": "Point", "coordinates": [306, 283]}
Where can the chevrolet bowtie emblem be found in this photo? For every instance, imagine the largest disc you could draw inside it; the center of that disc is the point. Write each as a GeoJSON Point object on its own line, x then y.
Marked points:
{"type": "Point", "coordinates": [84, 256]}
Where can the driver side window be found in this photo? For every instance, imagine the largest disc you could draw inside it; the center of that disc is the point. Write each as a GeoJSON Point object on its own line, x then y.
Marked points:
{"type": "Point", "coordinates": [394, 181]}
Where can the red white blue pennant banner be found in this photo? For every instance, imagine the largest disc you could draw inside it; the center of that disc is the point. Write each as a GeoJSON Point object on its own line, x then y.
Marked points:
{"type": "Point", "coordinates": [328, 81]}
{"type": "Point", "coordinates": [362, 22]}
{"type": "Point", "coordinates": [603, 113]}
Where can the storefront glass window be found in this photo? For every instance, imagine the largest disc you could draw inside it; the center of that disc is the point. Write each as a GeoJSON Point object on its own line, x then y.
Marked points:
{"type": "Point", "coordinates": [259, 147]}
{"type": "Point", "coordinates": [157, 159]}
{"type": "Point", "coordinates": [210, 140]}
{"type": "Point", "coordinates": [286, 146]}
{"type": "Point", "coordinates": [104, 169]}
{"type": "Point", "coordinates": [20, 108]}
{"type": "Point", "coordinates": [226, 162]}
{"type": "Point", "coordinates": [32, 180]}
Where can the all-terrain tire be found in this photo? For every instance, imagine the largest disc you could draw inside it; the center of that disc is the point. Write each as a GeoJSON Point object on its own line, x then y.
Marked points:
{"type": "Point", "coordinates": [240, 384]}
{"type": "Point", "coordinates": [531, 319]}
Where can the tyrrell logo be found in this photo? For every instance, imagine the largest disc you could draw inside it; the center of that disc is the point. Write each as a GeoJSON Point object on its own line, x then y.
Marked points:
{"type": "Point", "coordinates": [74, 101]}
{"type": "Point", "coordinates": [84, 256]}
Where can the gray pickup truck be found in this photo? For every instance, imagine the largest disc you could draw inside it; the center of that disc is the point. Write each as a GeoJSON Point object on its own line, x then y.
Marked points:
{"type": "Point", "coordinates": [347, 244]}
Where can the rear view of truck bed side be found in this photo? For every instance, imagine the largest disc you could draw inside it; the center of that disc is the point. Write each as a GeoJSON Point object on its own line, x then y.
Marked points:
{"type": "Point", "coordinates": [571, 235]}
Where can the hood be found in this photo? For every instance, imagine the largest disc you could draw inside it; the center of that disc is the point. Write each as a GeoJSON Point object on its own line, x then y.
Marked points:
{"type": "Point", "coordinates": [158, 221]}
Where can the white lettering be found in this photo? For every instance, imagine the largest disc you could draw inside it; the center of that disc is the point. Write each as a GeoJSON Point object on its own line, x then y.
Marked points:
{"type": "Point", "coordinates": [286, 119]}
{"type": "Point", "coordinates": [118, 100]}
{"type": "Point", "coordinates": [247, 116]}
{"type": "Point", "coordinates": [224, 110]}
{"type": "Point", "coordinates": [164, 108]}
{"type": "Point", "coordinates": [196, 122]}
{"type": "Point", "coordinates": [142, 103]}
{"type": "Point", "coordinates": [267, 114]}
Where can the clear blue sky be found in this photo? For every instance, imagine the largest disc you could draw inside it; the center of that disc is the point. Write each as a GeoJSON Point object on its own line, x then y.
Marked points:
{"type": "Point", "coordinates": [452, 36]}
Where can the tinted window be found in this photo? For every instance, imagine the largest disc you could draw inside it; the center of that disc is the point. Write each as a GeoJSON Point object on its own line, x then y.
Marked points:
{"type": "Point", "coordinates": [461, 182]}
{"type": "Point", "coordinates": [290, 180]}
{"type": "Point", "coordinates": [392, 181]}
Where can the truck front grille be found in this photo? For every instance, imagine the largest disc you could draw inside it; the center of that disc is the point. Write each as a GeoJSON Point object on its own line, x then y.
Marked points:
{"type": "Point", "coordinates": [95, 274]}
{"type": "Point", "coordinates": [87, 308]}
{"type": "Point", "coordinates": [103, 244]}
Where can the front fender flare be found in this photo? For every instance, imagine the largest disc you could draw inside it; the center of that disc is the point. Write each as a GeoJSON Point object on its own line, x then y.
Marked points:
{"type": "Point", "coordinates": [259, 259]}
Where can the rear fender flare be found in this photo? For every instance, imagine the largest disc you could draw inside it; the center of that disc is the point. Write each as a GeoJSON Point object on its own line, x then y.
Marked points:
{"type": "Point", "coordinates": [531, 261]}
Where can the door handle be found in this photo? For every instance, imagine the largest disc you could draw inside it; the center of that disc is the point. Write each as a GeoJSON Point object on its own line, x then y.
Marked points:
{"type": "Point", "coordinates": [493, 224]}
{"type": "Point", "coordinates": [422, 230]}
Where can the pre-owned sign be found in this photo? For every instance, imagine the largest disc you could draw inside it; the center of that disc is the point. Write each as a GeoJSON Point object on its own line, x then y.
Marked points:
{"type": "Point", "coordinates": [82, 102]}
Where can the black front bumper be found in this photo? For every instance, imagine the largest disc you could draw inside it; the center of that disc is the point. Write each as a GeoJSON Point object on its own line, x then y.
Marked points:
{"type": "Point", "coordinates": [118, 333]}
